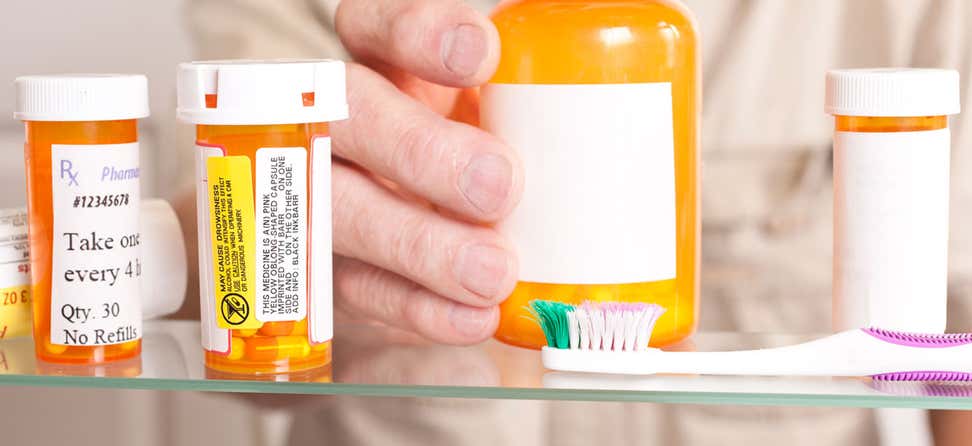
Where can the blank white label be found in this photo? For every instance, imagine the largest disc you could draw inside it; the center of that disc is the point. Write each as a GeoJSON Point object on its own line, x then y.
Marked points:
{"type": "Point", "coordinates": [321, 300]}
{"type": "Point", "coordinates": [95, 254]}
{"type": "Point", "coordinates": [891, 230]}
{"type": "Point", "coordinates": [599, 198]}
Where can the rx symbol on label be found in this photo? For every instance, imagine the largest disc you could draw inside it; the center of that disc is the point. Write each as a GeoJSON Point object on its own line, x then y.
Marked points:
{"type": "Point", "coordinates": [68, 173]}
{"type": "Point", "coordinates": [234, 309]}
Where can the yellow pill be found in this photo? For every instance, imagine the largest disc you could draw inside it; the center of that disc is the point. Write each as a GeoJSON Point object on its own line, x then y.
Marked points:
{"type": "Point", "coordinates": [56, 349]}
{"type": "Point", "coordinates": [271, 348]}
{"type": "Point", "coordinates": [245, 332]}
{"type": "Point", "coordinates": [282, 328]}
{"type": "Point", "coordinates": [237, 349]}
{"type": "Point", "coordinates": [300, 328]}
{"type": "Point", "coordinates": [322, 347]}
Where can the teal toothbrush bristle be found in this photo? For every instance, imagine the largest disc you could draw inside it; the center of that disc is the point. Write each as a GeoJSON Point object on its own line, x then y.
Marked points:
{"type": "Point", "coordinates": [552, 317]}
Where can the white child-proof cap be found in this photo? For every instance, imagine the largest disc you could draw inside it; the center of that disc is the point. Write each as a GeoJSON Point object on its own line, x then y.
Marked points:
{"type": "Point", "coordinates": [262, 92]}
{"type": "Point", "coordinates": [81, 97]}
{"type": "Point", "coordinates": [893, 92]}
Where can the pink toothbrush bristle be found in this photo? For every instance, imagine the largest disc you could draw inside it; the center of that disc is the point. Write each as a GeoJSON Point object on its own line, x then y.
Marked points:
{"type": "Point", "coordinates": [615, 326]}
{"type": "Point", "coordinates": [920, 340]}
{"type": "Point", "coordinates": [925, 376]}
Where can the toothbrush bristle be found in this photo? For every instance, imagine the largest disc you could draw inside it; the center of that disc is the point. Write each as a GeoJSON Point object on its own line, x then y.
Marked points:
{"type": "Point", "coordinates": [924, 376]}
{"type": "Point", "coordinates": [608, 326]}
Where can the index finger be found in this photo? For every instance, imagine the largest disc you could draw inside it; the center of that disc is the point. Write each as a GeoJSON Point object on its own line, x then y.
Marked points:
{"type": "Point", "coordinates": [441, 41]}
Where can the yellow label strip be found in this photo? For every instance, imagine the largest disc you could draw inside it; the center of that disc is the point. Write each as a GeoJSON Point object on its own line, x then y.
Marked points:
{"type": "Point", "coordinates": [15, 311]}
{"type": "Point", "coordinates": [232, 225]}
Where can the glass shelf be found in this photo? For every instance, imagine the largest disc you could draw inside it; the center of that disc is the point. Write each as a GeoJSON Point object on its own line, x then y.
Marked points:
{"type": "Point", "coordinates": [372, 360]}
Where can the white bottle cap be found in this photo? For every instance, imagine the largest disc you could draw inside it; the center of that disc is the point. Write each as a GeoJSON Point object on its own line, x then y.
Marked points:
{"type": "Point", "coordinates": [893, 92]}
{"type": "Point", "coordinates": [81, 97]}
{"type": "Point", "coordinates": [262, 92]}
{"type": "Point", "coordinates": [163, 252]}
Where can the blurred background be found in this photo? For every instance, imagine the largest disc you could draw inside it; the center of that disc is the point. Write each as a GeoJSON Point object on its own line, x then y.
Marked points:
{"type": "Point", "coordinates": [152, 37]}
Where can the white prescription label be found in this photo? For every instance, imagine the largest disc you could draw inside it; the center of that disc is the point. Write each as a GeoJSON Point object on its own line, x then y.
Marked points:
{"type": "Point", "coordinates": [891, 195]}
{"type": "Point", "coordinates": [214, 338]}
{"type": "Point", "coordinates": [321, 301]}
{"type": "Point", "coordinates": [598, 205]}
{"type": "Point", "coordinates": [280, 204]}
{"type": "Point", "coordinates": [95, 256]}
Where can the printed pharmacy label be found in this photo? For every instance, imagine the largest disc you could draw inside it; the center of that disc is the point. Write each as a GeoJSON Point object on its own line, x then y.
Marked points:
{"type": "Point", "coordinates": [95, 254]}
{"type": "Point", "coordinates": [290, 214]}
{"type": "Point", "coordinates": [232, 236]}
{"type": "Point", "coordinates": [598, 205]}
{"type": "Point", "coordinates": [281, 231]}
{"type": "Point", "coordinates": [15, 311]}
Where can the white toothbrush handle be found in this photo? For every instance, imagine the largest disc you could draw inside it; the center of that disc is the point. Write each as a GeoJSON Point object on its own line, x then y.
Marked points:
{"type": "Point", "coordinates": [851, 353]}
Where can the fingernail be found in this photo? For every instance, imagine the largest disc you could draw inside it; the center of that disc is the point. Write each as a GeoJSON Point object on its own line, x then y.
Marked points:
{"type": "Point", "coordinates": [463, 49]}
{"type": "Point", "coordinates": [482, 268]}
{"type": "Point", "coordinates": [469, 321]}
{"type": "Point", "coordinates": [486, 182]}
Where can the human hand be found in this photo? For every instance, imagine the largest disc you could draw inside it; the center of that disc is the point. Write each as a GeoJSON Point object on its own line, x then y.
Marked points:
{"type": "Point", "coordinates": [413, 192]}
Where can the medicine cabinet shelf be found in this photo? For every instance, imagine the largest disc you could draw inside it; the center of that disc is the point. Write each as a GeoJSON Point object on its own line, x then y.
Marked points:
{"type": "Point", "coordinates": [372, 360]}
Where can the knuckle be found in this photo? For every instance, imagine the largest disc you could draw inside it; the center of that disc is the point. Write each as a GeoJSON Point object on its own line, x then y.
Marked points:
{"type": "Point", "coordinates": [414, 155]}
{"type": "Point", "coordinates": [406, 25]}
{"type": "Point", "coordinates": [368, 291]}
{"type": "Point", "coordinates": [412, 245]}
{"type": "Point", "coordinates": [418, 308]}
{"type": "Point", "coordinates": [352, 222]}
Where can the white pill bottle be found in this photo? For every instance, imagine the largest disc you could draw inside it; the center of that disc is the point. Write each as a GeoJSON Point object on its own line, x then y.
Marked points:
{"type": "Point", "coordinates": [892, 148]}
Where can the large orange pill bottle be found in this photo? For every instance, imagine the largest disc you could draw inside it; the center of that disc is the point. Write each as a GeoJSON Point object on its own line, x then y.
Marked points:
{"type": "Point", "coordinates": [601, 99]}
{"type": "Point", "coordinates": [264, 209]}
{"type": "Point", "coordinates": [83, 173]}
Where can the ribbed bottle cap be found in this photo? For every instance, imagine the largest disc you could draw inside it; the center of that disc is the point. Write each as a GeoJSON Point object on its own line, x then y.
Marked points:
{"type": "Point", "coordinates": [893, 92]}
{"type": "Point", "coordinates": [262, 92]}
{"type": "Point", "coordinates": [81, 97]}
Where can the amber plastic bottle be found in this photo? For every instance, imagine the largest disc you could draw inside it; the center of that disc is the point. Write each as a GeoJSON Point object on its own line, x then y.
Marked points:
{"type": "Point", "coordinates": [602, 100]}
{"type": "Point", "coordinates": [81, 156]}
{"type": "Point", "coordinates": [263, 210]}
{"type": "Point", "coordinates": [275, 347]}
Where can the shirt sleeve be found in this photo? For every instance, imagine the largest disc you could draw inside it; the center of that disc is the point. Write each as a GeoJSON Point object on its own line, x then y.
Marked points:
{"type": "Point", "coordinates": [260, 29]}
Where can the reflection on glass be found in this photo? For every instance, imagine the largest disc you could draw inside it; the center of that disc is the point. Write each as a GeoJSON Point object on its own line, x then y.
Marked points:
{"type": "Point", "coordinates": [385, 356]}
{"type": "Point", "coordinates": [317, 375]}
{"type": "Point", "coordinates": [17, 356]}
{"type": "Point", "coordinates": [126, 368]}
{"type": "Point", "coordinates": [380, 361]}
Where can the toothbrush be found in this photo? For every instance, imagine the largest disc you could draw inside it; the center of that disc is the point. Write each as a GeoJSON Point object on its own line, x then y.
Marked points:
{"type": "Point", "coordinates": [612, 338]}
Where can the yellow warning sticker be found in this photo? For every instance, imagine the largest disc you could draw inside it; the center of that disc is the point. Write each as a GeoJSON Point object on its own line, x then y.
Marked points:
{"type": "Point", "coordinates": [232, 231]}
{"type": "Point", "coordinates": [15, 312]}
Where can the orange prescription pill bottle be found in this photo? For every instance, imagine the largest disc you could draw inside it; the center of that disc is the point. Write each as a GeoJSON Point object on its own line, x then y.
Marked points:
{"type": "Point", "coordinates": [892, 151]}
{"type": "Point", "coordinates": [263, 163]}
{"type": "Point", "coordinates": [601, 99]}
{"type": "Point", "coordinates": [83, 200]}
